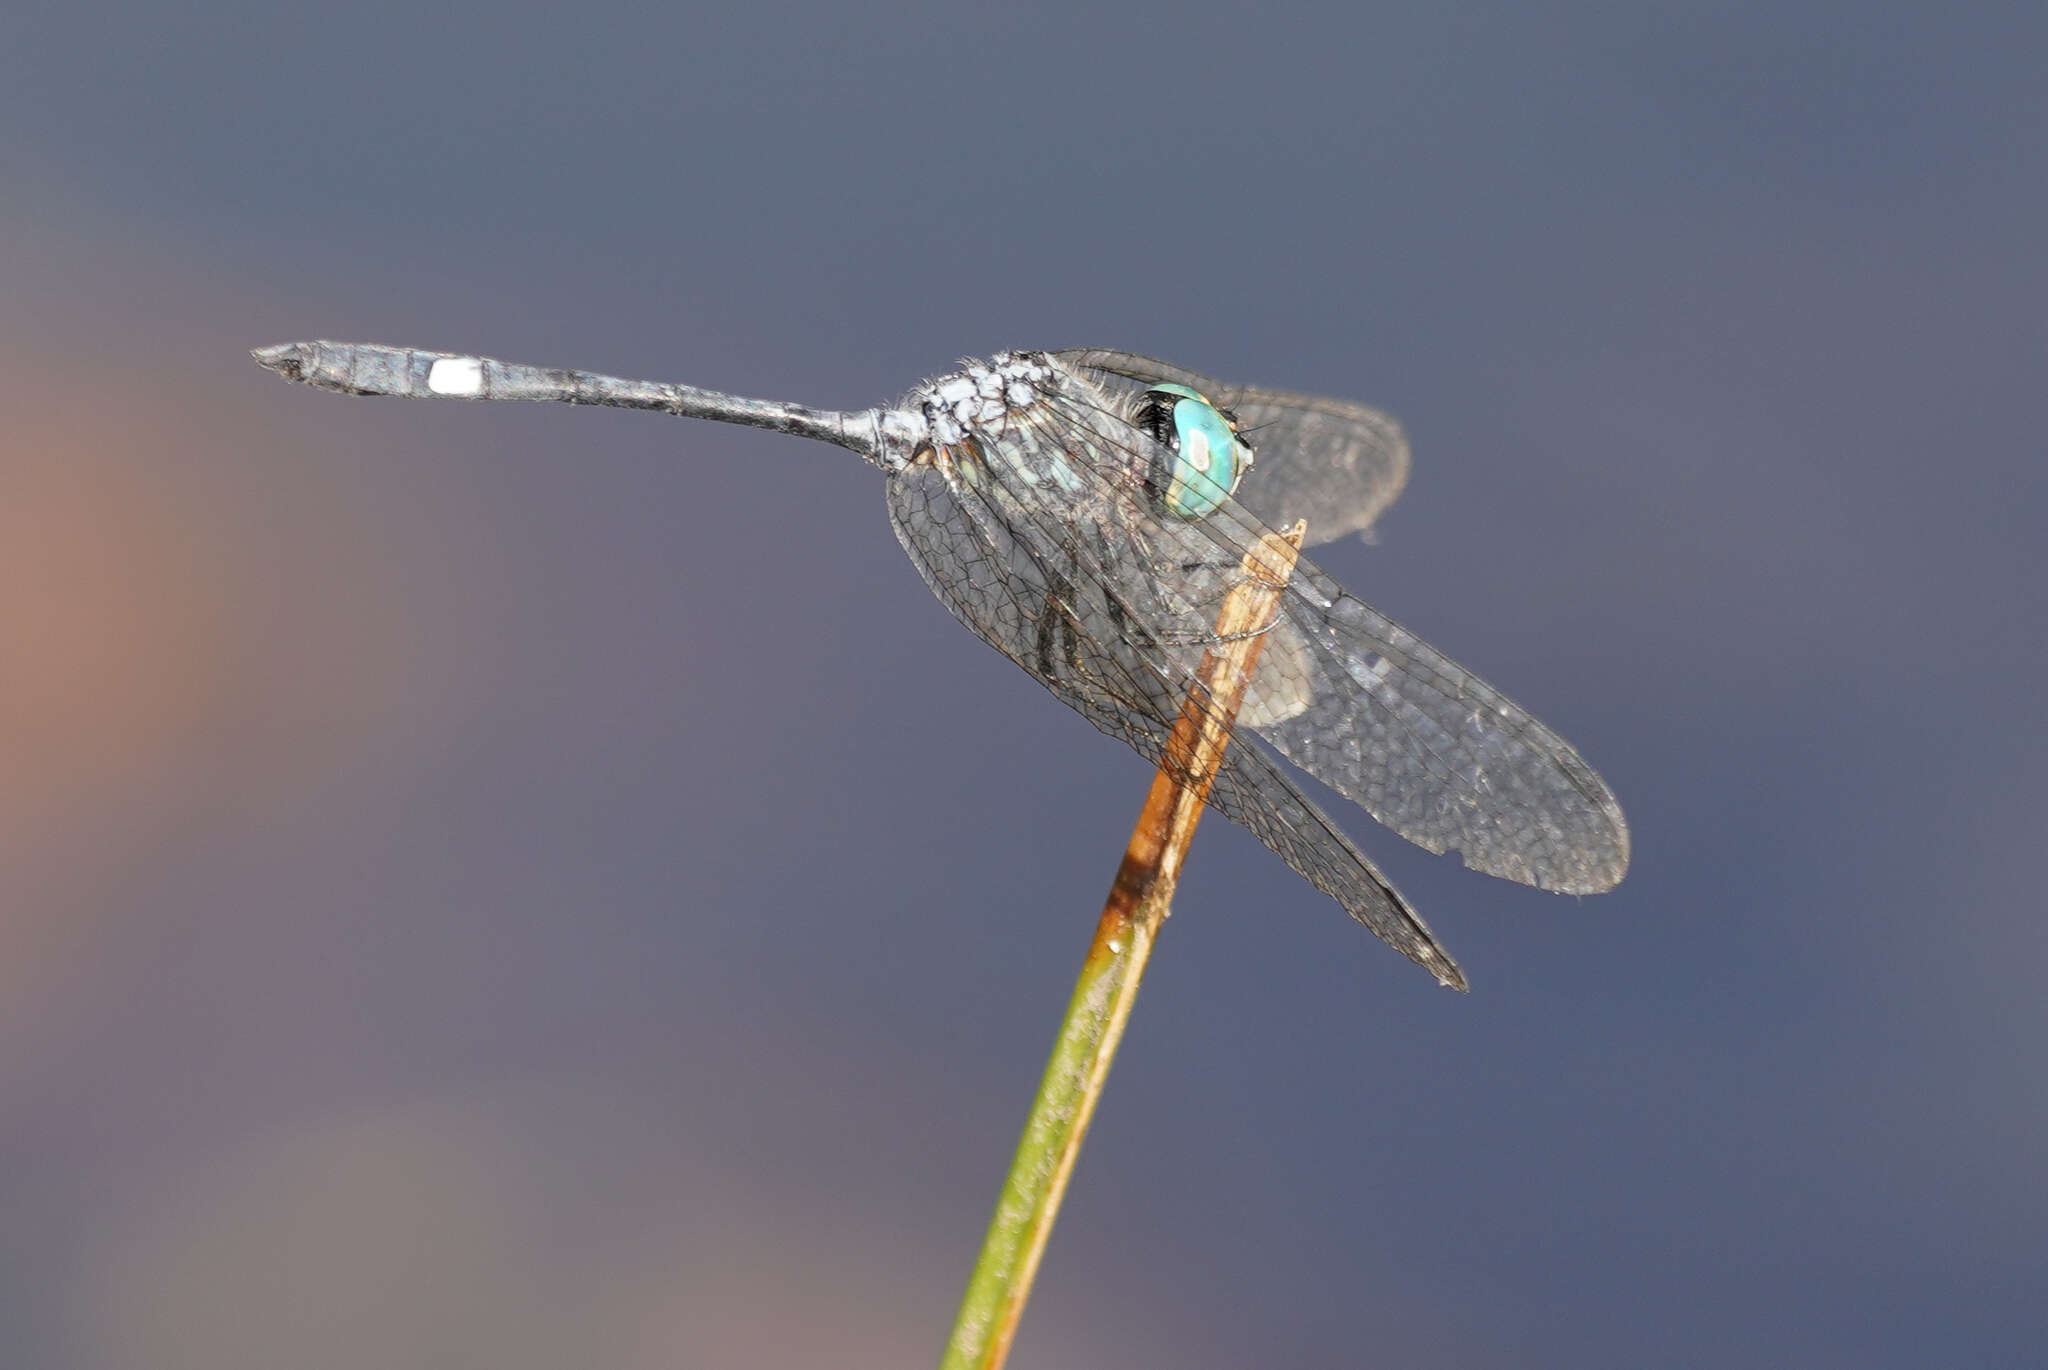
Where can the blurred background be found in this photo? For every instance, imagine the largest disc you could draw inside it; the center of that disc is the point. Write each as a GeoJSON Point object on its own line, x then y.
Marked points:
{"type": "Point", "coordinates": [541, 888]}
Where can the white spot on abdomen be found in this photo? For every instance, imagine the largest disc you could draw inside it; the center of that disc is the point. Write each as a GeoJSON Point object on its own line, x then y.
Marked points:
{"type": "Point", "coordinates": [456, 376]}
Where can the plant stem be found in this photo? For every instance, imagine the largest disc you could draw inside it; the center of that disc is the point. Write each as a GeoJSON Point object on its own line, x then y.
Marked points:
{"type": "Point", "coordinates": [1139, 900]}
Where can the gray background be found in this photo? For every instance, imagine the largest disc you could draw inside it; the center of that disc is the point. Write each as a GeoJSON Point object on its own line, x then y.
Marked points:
{"type": "Point", "coordinates": [544, 888]}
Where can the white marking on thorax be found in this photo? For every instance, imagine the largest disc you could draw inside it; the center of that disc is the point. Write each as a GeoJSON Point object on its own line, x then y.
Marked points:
{"type": "Point", "coordinates": [982, 397]}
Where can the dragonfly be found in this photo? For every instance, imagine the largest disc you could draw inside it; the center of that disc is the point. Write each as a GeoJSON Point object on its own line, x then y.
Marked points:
{"type": "Point", "coordinates": [1085, 512]}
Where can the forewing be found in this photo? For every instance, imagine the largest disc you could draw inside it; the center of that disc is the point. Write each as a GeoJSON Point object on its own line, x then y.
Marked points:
{"type": "Point", "coordinates": [1347, 694]}
{"type": "Point", "coordinates": [1113, 649]}
{"type": "Point", "coordinates": [1331, 462]}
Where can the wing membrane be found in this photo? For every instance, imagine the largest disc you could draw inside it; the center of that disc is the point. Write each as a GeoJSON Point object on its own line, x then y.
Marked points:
{"type": "Point", "coordinates": [1034, 603]}
{"type": "Point", "coordinates": [1424, 745]}
{"type": "Point", "coordinates": [1354, 699]}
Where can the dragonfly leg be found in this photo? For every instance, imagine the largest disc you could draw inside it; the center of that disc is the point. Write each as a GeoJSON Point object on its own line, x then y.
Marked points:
{"type": "Point", "coordinates": [1058, 642]}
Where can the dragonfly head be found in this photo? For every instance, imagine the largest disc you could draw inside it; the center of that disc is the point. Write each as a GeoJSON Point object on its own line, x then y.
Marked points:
{"type": "Point", "coordinates": [1205, 456]}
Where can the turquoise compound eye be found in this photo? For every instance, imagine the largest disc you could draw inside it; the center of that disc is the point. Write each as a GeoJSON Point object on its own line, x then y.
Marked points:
{"type": "Point", "coordinates": [1205, 456]}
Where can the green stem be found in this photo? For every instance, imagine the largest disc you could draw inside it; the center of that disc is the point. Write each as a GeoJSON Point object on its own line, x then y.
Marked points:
{"type": "Point", "coordinates": [1138, 903]}
{"type": "Point", "coordinates": [1081, 1054]}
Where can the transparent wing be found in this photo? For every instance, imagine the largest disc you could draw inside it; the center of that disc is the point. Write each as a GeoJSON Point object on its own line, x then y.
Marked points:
{"type": "Point", "coordinates": [1112, 650]}
{"type": "Point", "coordinates": [1331, 462]}
{"type": "Point", "coordinates": [1424, 745]}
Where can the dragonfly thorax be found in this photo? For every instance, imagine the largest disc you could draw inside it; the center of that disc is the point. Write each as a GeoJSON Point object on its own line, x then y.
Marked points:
{"type": "Point", "coordinates": [982, 399]}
